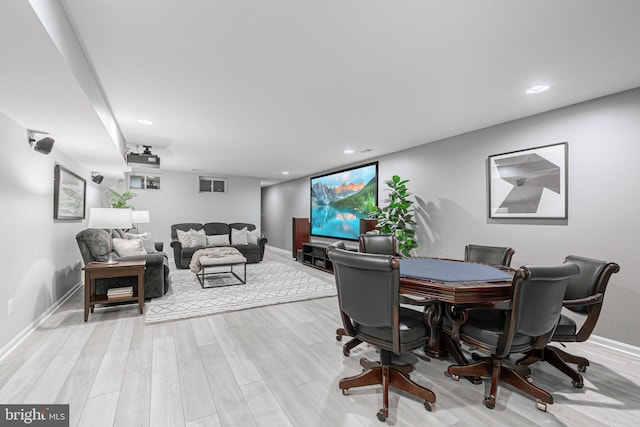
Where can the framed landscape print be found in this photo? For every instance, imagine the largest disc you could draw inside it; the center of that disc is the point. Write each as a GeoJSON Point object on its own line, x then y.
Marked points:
{"type": "Point", "coordinates": [529, 183]}
{"type": "Point", "coordinates": [69, 195]}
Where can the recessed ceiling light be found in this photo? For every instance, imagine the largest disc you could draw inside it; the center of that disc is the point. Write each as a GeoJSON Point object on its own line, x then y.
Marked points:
{"type": "Point", "coordinates": [145, 122]}
{"type": "Point", "coordinates": [348, 151]}
{"type": "Point", "coordinates": [285, 173]}
{"type": "Point", "coordinates": [537, 89]}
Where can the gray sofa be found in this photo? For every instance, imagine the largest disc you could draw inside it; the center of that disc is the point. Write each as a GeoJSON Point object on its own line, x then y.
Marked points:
{"type": "Point", "coordinates": [252, 252]}
{"type": "Point", "coordinates": [94, 247]}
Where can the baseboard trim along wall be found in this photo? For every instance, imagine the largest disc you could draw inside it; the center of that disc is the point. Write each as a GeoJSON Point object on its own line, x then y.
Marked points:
{"type": "Point", "coordinates": [33, 325]}
{"type": "Point", "coordinates": [615, 345]}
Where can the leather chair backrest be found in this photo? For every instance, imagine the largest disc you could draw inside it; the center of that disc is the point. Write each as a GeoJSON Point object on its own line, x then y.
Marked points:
{"type": "Point", "coordinates": [493, 255]}
{"type": "Point", "coordinates": [185, 226]}
{"type": "Point", "coordinates": [384, 244]}
{"type": "Point", "coordinates": [216, 228]}
{"type": "Point", "coordinates": [368, 286]}
{"type": "Point", "coordinates": [584, 284]}
{"type": "Point", "coordinates": [93, 244]}
{"type": "Point", "coordinates": [537, 297]}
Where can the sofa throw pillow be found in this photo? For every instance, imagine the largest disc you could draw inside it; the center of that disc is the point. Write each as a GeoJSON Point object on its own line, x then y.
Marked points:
{"type": "Point", "coordinates": [184, 238]}
{"type": "Point", "coordinates": [218, 240]}
{"type": "Point", "coordinates": [239, 237]}
{"type": "Point", "coordinates": [147, 241]}
{"type": "Point", "coordinates": [126, 247]}
{"type": "Point", "coordinates": [253, 236]}
{"type": "Point", "coordinates": [198, 238]}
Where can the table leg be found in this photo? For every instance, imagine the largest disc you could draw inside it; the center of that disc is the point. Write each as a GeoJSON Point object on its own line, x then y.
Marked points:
{"type": "Point", "coordinates": [87, 294]}
{"type": "Point", "coordinates": [141, 292]}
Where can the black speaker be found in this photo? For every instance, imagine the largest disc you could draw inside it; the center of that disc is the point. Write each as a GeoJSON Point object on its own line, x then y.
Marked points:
{"type": "Point", "coordinates": [97, 178]}
{"type": "Point", "coordinates": [44, 145]}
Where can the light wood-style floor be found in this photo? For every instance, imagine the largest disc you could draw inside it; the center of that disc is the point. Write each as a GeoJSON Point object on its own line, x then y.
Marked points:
{"type": "Point", "coordinates": [274, 366]}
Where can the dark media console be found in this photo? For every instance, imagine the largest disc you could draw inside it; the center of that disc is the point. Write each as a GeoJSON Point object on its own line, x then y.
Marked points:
{"type": "Point", "coordinates": [315, 255]}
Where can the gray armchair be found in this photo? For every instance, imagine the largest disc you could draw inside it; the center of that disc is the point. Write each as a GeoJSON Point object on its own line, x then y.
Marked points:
{"type": "Point", "coordinates": [94, 247]}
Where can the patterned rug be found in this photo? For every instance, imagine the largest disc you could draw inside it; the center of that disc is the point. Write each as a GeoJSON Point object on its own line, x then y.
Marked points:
{"type": "Point", "coordinates": [268, 283]}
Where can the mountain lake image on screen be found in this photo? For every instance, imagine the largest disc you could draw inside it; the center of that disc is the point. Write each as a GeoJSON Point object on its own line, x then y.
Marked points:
{"type": "Point", "coordinates": [340, 199]}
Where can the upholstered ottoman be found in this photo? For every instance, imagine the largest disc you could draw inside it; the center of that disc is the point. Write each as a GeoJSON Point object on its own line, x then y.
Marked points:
{"type": "Point", "coordinates": [223, 261]}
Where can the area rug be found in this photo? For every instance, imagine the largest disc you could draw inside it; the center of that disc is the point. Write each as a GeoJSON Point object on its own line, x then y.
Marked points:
{"type": "Point", "coordinates": [268, 283]}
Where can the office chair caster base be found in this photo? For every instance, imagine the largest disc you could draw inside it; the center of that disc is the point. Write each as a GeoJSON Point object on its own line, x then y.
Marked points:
{"type": "Point", "coordinates": [489, 402]}
{"type": "Point", "coordinates": [529, 379]}
{"type": "Point", "coordinates": [582, 368]}
{"type": "Point", "coordinates": [455, 377]}
{"type": "Point", "coordinates": [429, 406]}
{"type": "Point", "coordinates": [338, 337]}
{"type": "Point", "coordinates": [541, 406]}
{"type": "Point", "coordinates": [579, 383]}
{"type": "Point", "coordinates": [382, 415]}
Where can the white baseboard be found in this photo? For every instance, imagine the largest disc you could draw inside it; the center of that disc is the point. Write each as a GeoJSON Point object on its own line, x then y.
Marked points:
{"type": "Point", "coordinates": [615, 345]}
{"type": "Point", "coordinates": [33, 325]}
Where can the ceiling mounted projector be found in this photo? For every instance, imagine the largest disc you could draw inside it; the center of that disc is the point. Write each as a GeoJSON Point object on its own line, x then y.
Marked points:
{"type": "Point", "coordinates": [144, 159]}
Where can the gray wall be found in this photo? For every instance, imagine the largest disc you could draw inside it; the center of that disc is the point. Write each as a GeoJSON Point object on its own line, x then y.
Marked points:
{"type": "Point", "coordinates": [448, 178]}
{"type": "Point", "coordinates": [179, 200]}
{"type": "Point", "coordinates": [39, 257]}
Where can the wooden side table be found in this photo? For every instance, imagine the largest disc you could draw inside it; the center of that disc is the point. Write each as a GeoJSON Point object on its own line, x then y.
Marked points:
{"type": "Point", "coordinates": [99, 270]}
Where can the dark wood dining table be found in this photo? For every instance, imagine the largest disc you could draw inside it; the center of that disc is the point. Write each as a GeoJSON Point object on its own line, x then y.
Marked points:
{"type": "Point", "coordinates": [448, 287]}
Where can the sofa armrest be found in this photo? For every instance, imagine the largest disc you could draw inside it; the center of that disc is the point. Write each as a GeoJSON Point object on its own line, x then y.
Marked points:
{"type": "Point", "coordinates": [159, 246]}
{"type": "Point", "coordinates": [156, 259]}
{"type": "Point", "coordinates": [262, 241]}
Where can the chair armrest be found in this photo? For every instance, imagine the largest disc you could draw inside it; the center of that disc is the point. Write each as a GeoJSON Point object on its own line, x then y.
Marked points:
{"type": "Point", "coordinates": [176, 244]}
{"type": "Point", "coordinates": [159, 246]}
{"type": "Point", "coordinates": [590, 300]}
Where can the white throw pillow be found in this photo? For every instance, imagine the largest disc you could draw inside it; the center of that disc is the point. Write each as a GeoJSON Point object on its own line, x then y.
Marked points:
{"type": "Point", "coordinates": [198, 238]}
{"type": "Point", "coordinates": [239, 237]}
{"type": "Point", "coordinates": [125, 247]}
{"type": "Point", "coordinates": [147, 241]}
{"type": "Point", "coordinates": [253, 236]}
{"type": "Point", "coordinates": [184, 238]}
{"type": "Point", "coordinates": [218, 240]}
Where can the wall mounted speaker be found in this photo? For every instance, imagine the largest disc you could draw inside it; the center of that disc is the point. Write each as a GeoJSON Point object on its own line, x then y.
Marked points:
{"type": "Point", "coordinates": [44, 145]}
{"type": "Point", "coordinates": [97, 178]}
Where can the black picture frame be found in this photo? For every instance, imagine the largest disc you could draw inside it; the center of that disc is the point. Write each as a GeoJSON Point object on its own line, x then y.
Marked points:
{"type": "Point", "coordinates": [530, 183]}
{"type": "Point", "coordinates": [69, 195]}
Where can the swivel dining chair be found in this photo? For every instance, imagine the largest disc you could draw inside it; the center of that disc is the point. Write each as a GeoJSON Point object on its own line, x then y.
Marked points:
{"type": "Point", "coordinates": [584, 295]}
{"type": "Point", "coordinates": [524, 323]}
{"type": "Point", "coordinates": [369, 299]}
{"type": "Point", "coordinates": [493, 255]}
{"type": "Point", "coordinates": [384, 244]}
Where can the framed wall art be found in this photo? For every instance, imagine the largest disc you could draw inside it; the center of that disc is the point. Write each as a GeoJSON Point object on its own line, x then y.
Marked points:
{"type": "Point", "coordinates": [69, 195]}
{"type": "Point", "coordinates": [530, 183]}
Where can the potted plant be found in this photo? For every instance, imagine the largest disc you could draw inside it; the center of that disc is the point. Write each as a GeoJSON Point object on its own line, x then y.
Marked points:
{"type": "Point", "coordinates": [120, 200]}
{"type": "Point", "coordinates": [397, 217]}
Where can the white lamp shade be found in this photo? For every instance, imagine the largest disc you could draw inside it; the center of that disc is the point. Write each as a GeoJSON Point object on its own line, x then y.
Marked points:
{"type": "Point", "coordinates": [110, 218]}
{"type": "Point", "coordinates": [140, 217]}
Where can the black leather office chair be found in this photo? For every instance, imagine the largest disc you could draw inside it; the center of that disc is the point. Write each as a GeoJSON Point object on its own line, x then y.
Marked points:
{"type": "Point", "coordinates": [525, 323]}
{"type": "Point", "coordinates": [384, 244]}
{"type": "Point", "coordinates": [584, 295]}
{"type": "Point", "coordinates": [493, 255]}
{"type": "Point", "coordinates": [369, 297]}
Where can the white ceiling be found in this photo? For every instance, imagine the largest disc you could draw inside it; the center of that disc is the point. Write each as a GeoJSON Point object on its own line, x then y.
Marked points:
{"type": "Point", "coordinates": [256, 87]}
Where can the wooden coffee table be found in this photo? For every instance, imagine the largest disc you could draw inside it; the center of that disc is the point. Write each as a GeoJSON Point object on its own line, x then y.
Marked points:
{"type": "Point", "coordinates": [100, 270]}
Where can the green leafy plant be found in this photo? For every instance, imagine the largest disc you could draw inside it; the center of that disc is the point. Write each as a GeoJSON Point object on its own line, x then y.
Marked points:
{"type": "Point", "coordinates": [397, 217]}
{"type": "Point", "coordinates": [120, 200]}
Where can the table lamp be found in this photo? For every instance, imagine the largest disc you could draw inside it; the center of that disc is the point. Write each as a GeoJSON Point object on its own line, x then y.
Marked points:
{"type": "Point", "coordinates": [110, 218]}
{"type": "Point", "coordinates": [140, 217]}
